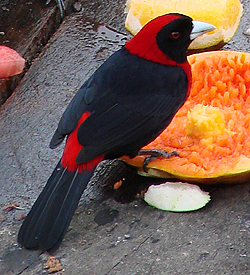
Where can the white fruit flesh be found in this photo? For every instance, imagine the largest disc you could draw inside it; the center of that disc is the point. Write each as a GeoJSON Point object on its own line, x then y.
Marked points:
{"type": "Point", "coordinates": [176, 197]}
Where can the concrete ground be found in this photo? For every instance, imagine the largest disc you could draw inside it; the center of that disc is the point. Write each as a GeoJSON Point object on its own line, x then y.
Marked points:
{"type": "Point", "coordinates": [106, 237]}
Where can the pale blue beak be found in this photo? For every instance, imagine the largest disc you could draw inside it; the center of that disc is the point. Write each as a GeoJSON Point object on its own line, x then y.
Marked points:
{"type": "Point", "coordinates": [200, 28]}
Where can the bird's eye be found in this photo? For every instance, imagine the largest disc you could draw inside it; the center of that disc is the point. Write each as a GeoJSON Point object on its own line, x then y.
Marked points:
{"type": "Point", "coordinates": [175, 35]}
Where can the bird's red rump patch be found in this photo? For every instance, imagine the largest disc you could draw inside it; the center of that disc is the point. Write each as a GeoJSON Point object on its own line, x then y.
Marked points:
{"type": "Point", "coordinates": [72, 149]}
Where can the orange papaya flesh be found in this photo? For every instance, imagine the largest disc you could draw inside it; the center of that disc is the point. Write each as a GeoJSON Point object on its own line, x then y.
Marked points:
{"type": "Point", "coordinates": [211, 131]}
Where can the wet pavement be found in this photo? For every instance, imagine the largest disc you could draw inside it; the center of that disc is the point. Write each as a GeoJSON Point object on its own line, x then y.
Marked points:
{"type": "Point", "coordinates": [26, 27]}
{"type": "Point", "coordinates": [105, 237]}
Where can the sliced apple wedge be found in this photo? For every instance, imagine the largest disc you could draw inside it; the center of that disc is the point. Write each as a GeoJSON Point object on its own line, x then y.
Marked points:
{"type": "Point", "coordinates": [176, 197]}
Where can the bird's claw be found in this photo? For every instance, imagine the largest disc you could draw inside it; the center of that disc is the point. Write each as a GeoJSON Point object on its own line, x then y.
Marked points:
{"type": "Point", "coordinates": [153, 154]}
{"type": "Point", "coordinates": [60, 5]}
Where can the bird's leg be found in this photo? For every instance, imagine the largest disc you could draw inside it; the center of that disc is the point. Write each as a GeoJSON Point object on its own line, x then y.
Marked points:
{"type": "Point", "coordinates": [60, 5]}
{"type": "Point", "coordinates": [153, 154]}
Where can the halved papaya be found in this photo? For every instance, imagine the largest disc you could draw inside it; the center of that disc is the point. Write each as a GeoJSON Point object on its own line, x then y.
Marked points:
{"type": "Point", "coordinates": [225, 15]}
{"type": "Point", "coordinates": [211, 131]}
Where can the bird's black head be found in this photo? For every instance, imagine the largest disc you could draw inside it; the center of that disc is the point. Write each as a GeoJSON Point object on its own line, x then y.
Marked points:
{"type": "Point", "coordinates": [163, 40]}
{"type": "Point", "coordinates": [166, 38]}
{"type": "Point", "coordinates": [174, 38]}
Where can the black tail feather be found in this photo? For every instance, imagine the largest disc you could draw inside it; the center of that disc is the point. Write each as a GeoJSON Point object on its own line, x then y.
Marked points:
{"type": "Point", "coordinates": [48, 220]}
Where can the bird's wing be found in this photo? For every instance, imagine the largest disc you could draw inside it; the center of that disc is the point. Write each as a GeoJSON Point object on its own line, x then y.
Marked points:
{"type": "Point", "coordinates": [130, 100]}
{"type": "Point", "coordinates": [134, 112]}
{"type": "Point", "coordinates": [120, 130]}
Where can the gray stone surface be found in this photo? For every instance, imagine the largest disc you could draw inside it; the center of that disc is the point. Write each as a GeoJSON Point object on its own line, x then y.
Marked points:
{"type": "Point", "coordinates": [136, 239]}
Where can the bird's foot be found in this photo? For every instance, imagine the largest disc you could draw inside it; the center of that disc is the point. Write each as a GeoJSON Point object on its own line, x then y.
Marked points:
{"type": "Point", "coordinates": [60, 5]}
{"type": "Point", "coordinates": [153, 154]}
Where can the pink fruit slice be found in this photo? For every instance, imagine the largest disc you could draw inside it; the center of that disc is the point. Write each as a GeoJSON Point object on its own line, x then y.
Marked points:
{"type": "Point", "coordinates": [11, 63]}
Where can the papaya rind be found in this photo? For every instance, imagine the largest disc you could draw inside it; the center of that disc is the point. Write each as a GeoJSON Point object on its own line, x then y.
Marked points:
{"type": "Point", "coordinates": [227, 178]}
